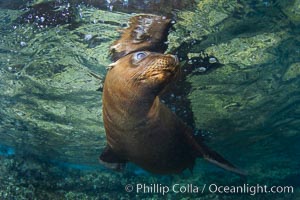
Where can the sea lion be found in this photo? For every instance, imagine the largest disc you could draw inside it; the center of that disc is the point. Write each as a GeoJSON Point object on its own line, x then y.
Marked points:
{"type": "Point", "coordinates": [141, 129]}
{"type": "Point", "coordinates": [145, 32]}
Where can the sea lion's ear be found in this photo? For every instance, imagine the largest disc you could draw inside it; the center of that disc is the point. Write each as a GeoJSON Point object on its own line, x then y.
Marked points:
{"type": "Point", "coordinates": [111, 160]}
{"type": "Point", "coordinates": [110, 66]}
{"type": "Point", "coordinates": [115, 48]}
{"type": "Point", "coordinates": [116, 52]}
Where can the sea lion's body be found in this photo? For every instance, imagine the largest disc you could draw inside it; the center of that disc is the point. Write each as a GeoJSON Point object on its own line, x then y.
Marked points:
{"type": "Point", "coordinates": [155, 143]}
{"type": "Point", "coordinates": [139, 128]}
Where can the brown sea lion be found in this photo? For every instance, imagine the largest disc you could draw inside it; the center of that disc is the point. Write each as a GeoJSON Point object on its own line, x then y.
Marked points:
{"type": "Point", "coordinates": [145, 32]}
{"type": "Point", "coordinates": [141, 129]}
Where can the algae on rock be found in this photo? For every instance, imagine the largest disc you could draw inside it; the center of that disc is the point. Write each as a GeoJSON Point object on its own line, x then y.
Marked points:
{"type": "Point", "coordinates": [242, 94]}
{"type": "Point", "coordinates": [292, 10]}
{"type": "Point", "coordinates": [292, 72]}
{"type": "Point", "coordinates": [205, 20]}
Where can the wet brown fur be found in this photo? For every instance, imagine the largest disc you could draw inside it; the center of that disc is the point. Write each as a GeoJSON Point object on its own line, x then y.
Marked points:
{"type": "Point", "coordinates": [141, 129]}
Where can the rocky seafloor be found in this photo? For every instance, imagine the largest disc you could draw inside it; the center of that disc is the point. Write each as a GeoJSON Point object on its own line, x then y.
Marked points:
{"type": "Point", "coordinates": [32, 178]}
{"type": "Point", "coordinates": [52, 68]}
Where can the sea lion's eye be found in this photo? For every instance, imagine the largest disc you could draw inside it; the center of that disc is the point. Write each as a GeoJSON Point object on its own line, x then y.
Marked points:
{"type": "Point", "coordinates": [139, 56]}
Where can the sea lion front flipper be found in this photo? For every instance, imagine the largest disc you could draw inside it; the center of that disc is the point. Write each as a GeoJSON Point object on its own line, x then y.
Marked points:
{"type": "Point", "coordinates": [210, 155]}
{"type": "Point", "coordinates": [111, 160]}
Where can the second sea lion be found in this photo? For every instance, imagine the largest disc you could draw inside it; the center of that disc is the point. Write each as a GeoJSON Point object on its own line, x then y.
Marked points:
{"type": "Point", "coordinates": [145, 32]}
{"type": "Point", "coordinates": [141, 129]}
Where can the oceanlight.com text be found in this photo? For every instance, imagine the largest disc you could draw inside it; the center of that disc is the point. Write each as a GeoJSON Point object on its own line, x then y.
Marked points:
{"type": "Point", "coordinates": [249, 189]}
{"type": "Point", "coordinates": [207, 188]}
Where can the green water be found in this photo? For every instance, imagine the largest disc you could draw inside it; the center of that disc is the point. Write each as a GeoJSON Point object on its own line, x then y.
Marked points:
{"type": "Point", "coordinates": [52, 66]}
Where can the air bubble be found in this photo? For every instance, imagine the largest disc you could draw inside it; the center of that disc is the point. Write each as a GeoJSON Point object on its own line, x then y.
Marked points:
{"type": "Point", "coordinates": [42, 19]}
{"type": "Point", "coordinates": [201, 69]}
{"type": "Point", "coordinates": [212, 60]}
{"type": "Point", "coordinates": [23, 44]}
{"type": "Point", "coordinates": [87, 37]}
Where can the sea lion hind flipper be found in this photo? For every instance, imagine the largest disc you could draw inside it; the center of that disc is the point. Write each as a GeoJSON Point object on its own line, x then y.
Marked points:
{"type": "Point", "coordinates": [217, 159]}
{"type": "Point", "coordinates": [210, 155]}
{"type": "Point", "coordinates": [111, 160]}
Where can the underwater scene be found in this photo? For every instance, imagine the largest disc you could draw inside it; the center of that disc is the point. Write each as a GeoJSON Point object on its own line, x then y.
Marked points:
{"type": "Point", "coordinates": [223, 76]}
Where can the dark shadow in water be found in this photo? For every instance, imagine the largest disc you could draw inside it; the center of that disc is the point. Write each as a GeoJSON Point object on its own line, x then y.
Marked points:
{"type": "Point", "coordinates": [52, 13]}
{"type": "Point", "coordinates": [176, 96]}
{"type": "Point", "coordinates": [160, 7]}
{"type": "Point", "coordinates": [246, 24]}
{"type": "Point", "coordinates": [49, 13]}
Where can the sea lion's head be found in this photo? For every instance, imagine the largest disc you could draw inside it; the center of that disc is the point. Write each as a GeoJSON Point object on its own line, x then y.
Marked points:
{"type": "Point", "coordinates": [144, 71]}
{"type": "Point", "coordinates": [145, 32]}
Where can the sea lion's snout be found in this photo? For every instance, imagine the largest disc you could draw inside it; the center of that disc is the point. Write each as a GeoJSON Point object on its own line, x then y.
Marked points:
{"type": "Point", "coordinates": [164, 66]}
{"type": "Point", "coordinates": [156, 70]}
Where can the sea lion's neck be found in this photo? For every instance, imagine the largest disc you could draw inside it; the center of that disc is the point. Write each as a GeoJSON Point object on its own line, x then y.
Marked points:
{"type": "Point", "coordinates": [154, 110]}
{"type": "Point", "coordinates": [141, 105]}
{"type": "Point", "coordinates": [131, 104]}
